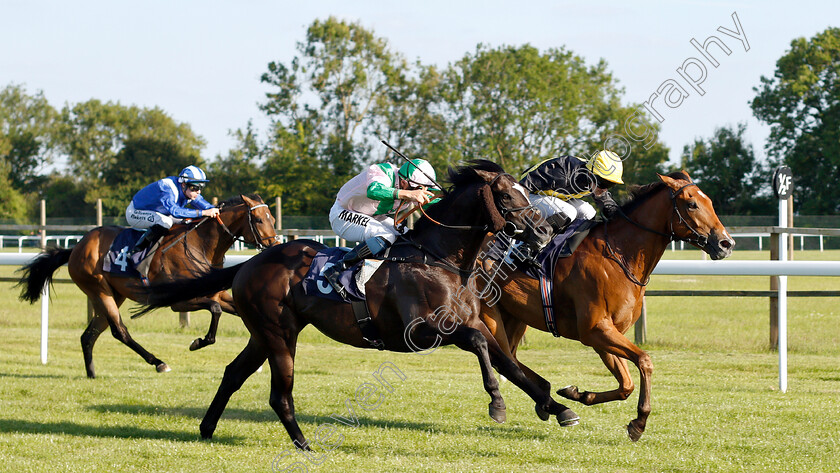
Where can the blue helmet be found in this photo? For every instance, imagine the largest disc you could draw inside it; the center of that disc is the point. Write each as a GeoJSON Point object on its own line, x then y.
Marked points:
{"type": "Point", "coordinates": [192, 175]}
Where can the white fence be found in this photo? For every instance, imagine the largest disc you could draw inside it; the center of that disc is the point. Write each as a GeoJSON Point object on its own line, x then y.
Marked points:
{"type": "Point", "coordinates": [689, 267]}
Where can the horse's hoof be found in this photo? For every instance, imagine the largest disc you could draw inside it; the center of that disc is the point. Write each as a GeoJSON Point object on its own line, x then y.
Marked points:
{"type": "Point", "coordinates": [541, 413]}
{"type": "Point", "coordinates": [568, 418]}
{"type": "Point", "coordinates": [634, 432]}
{"type": "Point", "coordinates": [569, 392]}
{"type": "Point", "coordinates": [497, 414]}
{"type": "Point", "coordinates": [196, 344]}
{"type": "Point", "coordinates": [206, 430]}
{"type": "Point", "coordinates": [163, 368]}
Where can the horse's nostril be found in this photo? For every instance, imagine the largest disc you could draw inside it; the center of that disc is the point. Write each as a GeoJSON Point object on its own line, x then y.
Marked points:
{"type": "Point", "coordinates": [726, 244]}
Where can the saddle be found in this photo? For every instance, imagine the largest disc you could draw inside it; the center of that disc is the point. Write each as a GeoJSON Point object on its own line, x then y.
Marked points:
{"type": "Point", "coordinates": [561, 245]}
{"type": "Point", "coordinates": [353, 279]}
{"type": "Point", "coordinates": [120, 262]}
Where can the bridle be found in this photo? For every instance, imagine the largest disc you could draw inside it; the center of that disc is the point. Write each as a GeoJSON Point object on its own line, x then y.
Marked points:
{"type": "Point", "coordinates": [258, 240]}
{"type": "Point", "coordinates": [695, 238]}
{"type": "Point", "coordinates": [510, 229]}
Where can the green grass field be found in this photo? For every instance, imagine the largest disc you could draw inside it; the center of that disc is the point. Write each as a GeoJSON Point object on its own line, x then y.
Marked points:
{"type": "Point", "coordinates": [716, 404]}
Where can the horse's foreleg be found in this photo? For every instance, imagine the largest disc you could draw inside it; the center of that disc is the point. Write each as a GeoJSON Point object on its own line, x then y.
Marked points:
{"type": "Point", "coordinates": [107, 307]}
{"type": "Point", "coordinates": [95, 327]}
{"type": "Point", "coordinates": [509, 368]}
{"type": "Point", "coordinates": [474, 341]}
{"type": "Point", "coordinates": [611, 341]}
{"type": "Point", "coordinates": [243, 366]}
{"type": "Point", "coordinates": [515, 330]}
{"type": "Point", "coordinates": [215, 314]}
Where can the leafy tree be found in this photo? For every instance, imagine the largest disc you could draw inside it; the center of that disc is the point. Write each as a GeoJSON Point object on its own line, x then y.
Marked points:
{"type": "Point", "coordinates": [518, 106]}
{"type": "Point", "coordinates": [27, 135]}
{"type": "Point", "coordinates": [801, 103]}
{"type": "Point", "coordinates": [65, 196]}
{"type": "Point", "coordinates": [729, 173]}
{"type": "Point", "coordinates": [93, 133]}
{"type": "Point", "coordinates": [141, 161]}
{"type": "Point", "coordinates": [239, 172]}
{"type": "Point", "coordinates": [12, 202]}
{"type": "Point", "coordinates": [321, 106]}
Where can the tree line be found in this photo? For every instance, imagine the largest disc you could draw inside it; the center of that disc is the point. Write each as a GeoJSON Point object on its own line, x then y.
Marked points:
{"type": "Point", "coordinates": [346, 89]}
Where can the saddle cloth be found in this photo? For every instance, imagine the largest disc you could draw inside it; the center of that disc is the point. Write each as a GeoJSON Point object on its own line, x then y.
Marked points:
{"type": "Point", "coordinates": [353, 279]}
{"type": "Point", "coordinates": [118, 261]}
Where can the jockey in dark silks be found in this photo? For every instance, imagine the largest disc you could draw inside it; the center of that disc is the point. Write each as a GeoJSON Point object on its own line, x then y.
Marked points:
{"type": "Point", "coordinates": [161, 204]}
{"type": "Point", "coordinates": [557, 186]}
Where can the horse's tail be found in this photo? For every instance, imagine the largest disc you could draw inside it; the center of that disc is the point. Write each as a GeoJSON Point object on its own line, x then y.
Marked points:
{"type": "Point", "coordinates": [169, 293]}
{"type": "Point", "coordinates": [39, 272]}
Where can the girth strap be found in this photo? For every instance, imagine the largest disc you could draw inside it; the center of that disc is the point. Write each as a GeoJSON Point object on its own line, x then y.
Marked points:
{"type": "Point", "coordinates": [365, 322]}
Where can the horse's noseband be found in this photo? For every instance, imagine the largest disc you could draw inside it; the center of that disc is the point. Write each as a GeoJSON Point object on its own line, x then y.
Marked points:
{"type": "Point", "coordinates": [698, 239]}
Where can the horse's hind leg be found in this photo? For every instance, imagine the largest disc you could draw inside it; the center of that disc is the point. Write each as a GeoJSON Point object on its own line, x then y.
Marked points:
{"type": "Point", "coordinates": [107, 307]}
{"type": "Point", "coordinates": [282, 362]}
{"type": "Point", "coordinates": [618, 367]}
{"type": "Point", "coordinates": [95, 327]}
{"type": "Point", "coordinates": [515, 330]}
{"type": "Point", "coordinates": [242, 367]}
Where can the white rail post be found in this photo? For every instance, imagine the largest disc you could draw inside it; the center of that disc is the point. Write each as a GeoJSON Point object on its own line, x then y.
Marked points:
{"type": "Point", "coordinates": [45, 321]}
{"type": "Point", "coordinates": [782, 187]}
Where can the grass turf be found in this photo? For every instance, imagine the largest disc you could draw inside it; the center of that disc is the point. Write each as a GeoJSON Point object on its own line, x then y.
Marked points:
{"type": "Point", "coordinates": [716, 406]}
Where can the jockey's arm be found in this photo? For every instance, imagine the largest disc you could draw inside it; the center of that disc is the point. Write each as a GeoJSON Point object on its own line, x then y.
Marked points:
{"type": "Point", "coordinates": [179, 211]}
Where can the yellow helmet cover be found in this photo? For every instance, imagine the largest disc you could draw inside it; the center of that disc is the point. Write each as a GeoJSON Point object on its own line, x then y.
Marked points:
{"type": "Point", "coordinates": [607, 165]}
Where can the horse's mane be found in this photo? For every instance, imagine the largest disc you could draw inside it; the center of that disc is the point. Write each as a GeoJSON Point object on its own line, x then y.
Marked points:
{"type": "Point", "coordinates": [465, 175]}
{"type": "Point", "coordinates": [460, 178]}
{"type": "Point", "coordinates": [640, 194]}
{"type": "Point", "coordinates": [237, 200]}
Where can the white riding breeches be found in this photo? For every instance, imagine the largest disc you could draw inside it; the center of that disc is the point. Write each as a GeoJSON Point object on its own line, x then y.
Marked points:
{"type": "Point", "coordinates": [572, 208]}
{"type": "Point", "coordinates": [354, 226]}
{"type": "Point", "coordinates": [143, 219]}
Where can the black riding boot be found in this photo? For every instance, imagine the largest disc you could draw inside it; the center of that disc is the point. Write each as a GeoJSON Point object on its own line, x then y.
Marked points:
{"type": "Point", "coordinates": [529, 251]}
{"type": "Point", "coordinates": [370, 247]}
{"type": "Point", "coordinates": [149, 238]}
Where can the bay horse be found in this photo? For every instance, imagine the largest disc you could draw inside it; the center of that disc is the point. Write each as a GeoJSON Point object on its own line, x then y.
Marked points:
{"type": "Point", "coordinates": [185, 251]}
{"type": "Point", "coordinates": [424, 272]}
{"type": "Point", "coordinates": [598, 291]}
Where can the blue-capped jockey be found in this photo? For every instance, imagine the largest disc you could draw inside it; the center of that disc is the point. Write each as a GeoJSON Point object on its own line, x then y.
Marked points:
{"type": "Point", "coordinates": [161, 204]}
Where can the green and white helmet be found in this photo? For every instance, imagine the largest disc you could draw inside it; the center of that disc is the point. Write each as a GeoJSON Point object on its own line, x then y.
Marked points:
{"type": "Point", "coordinates": [418, 173]}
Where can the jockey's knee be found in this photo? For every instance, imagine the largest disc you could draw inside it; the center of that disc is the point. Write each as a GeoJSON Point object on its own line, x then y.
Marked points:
{"type": "Point", "coordinates": [585, 211]}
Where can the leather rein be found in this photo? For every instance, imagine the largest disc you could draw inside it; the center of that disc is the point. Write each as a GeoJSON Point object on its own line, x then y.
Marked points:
{"type": "Point", "coordinates": [510, 229]}
{"type": "Point", "coordinates": [695, 239]}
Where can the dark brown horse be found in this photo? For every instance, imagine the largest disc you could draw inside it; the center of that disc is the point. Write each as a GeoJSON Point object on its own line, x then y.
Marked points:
{"type": "Point", "coordinates": [186, 251]}
{"type": "Point", "coordinates": [404, 297]}
{"type": "Point", "coordinates": [598, 291]}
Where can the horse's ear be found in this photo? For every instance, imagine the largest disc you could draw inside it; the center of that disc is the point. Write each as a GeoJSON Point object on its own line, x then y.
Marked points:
{"type": "Point", "coordinates": [497, 222]}
{"type": "Point", "coordinates": [669, 181]}
{"type": "Point", "coordinates": [487, 176]}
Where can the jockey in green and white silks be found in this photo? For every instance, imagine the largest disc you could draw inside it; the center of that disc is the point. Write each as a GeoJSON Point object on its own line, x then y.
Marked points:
{"type": "Point", "coordinates": [365, 206]}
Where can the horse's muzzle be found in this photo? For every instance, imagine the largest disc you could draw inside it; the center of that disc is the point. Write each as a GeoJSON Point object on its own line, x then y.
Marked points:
{"type": "Point", "coordinates": [719, 246]}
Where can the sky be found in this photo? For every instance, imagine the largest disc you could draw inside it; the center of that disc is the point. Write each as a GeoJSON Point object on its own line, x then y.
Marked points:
{"type": "Point", "coordinates": [201, 61]}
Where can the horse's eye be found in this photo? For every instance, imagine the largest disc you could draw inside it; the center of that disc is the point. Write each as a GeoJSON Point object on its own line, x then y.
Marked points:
{"type": "Point", "coordinates": [506, 196]}
{"type": "Point", "coordinates": [691, 205]}
{"type": "Point", "coordinates": [258, 221]}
